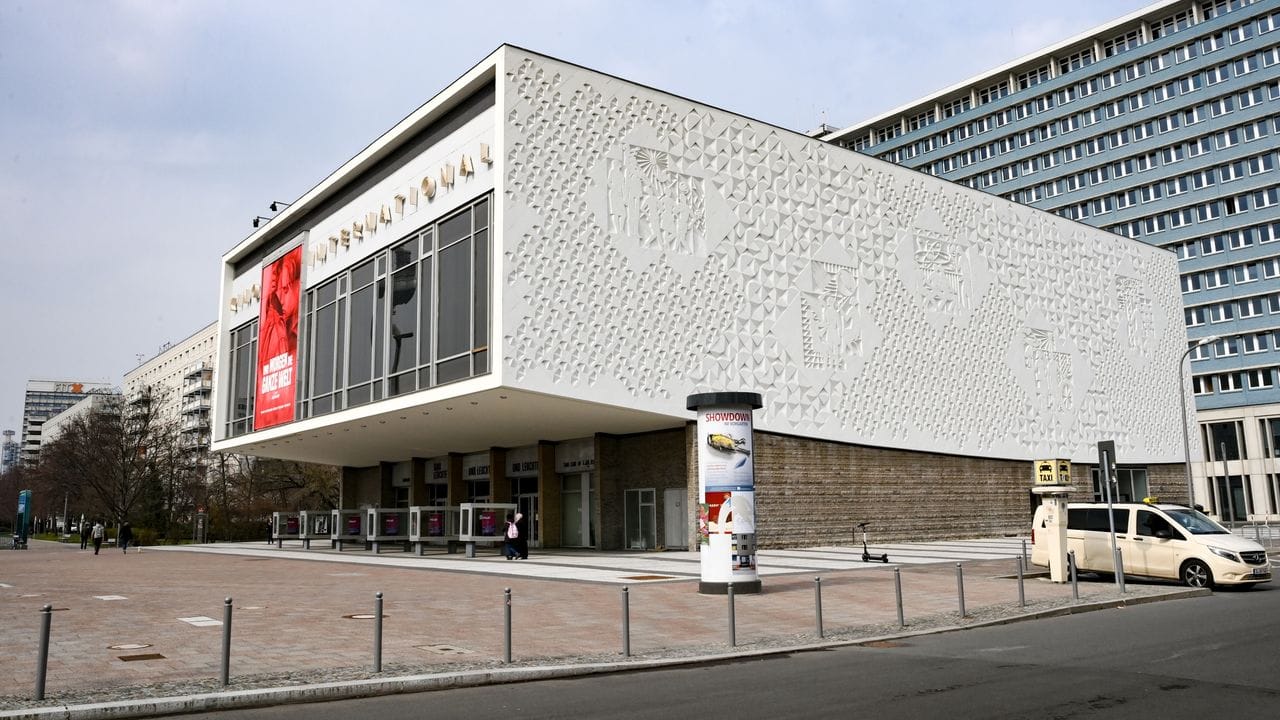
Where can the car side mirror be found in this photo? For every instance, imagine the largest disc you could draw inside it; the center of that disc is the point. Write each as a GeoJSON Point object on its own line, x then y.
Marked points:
{"type": "Point", "coordinates": [1163, 534]}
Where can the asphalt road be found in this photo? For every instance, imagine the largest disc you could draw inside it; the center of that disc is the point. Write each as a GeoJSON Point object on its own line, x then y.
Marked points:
{"type": "Point", "coordinates": [1203, 658]}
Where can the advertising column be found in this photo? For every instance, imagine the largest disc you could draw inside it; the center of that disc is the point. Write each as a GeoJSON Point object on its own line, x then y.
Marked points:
{"type": "Point", "coordinates": [278, 340]}
{"type": "Point", "coordinates": [726, 490]}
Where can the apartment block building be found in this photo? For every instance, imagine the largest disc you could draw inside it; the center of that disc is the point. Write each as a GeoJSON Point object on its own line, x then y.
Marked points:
{"type": "Point", "coordinates": [1159, 126]}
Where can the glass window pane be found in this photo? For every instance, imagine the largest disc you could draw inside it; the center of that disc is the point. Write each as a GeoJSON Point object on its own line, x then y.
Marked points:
{"type": "Point", "coordinates": [379, 330]}
{"type": "Point", "coordinates": [455, 229]}
{"type": "Point", "coordinates": [455, 369]}
{"type": "Point", "coordinates": [404, 254]}
{"type": "Point", "coordinates": [482, 214]}
{"type": "Point", "coordinates": [362, 275]}
{"type": "Point", "coordinates": [357, 395]}
{"type": "Point", "coordinates": [324, 351]}
{"type": "Point", "coordinates": [454, 315]}
{"type": "Point", "coordinates": [404, 319]}
{"type": "Point", "coordinates": [424, 313]}
{"type": "Point", "coordinates": [480, 334]}
{"type": "Point", "coordinates": [360, 341]}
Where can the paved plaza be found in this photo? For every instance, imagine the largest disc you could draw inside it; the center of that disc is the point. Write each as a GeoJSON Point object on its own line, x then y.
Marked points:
{"type": "Point", "coordinates": [146, 624]}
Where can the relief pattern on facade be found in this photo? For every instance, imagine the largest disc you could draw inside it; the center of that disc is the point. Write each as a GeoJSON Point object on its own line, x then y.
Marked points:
{"type": "Point", "coordinates": [867, 303]}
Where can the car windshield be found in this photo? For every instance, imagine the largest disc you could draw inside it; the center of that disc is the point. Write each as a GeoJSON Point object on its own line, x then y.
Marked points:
{"type": "Point", "coordinates": [1196, 522]}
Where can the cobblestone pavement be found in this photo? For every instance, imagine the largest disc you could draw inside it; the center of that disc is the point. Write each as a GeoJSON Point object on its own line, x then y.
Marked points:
{"type": "Point", "coordinates": [127, 627]}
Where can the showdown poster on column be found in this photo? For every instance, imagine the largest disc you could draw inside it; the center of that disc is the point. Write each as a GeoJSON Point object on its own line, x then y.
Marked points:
{"type": "Point", "coordinates": [726, 519]}
{"type": "Point", "coordinates": [278, 340]}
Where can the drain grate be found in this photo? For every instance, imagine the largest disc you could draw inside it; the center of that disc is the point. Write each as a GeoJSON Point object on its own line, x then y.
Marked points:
{"type": "Point", "coordinates": [648, 577]}
{"type": "Point", "coordinates": [144, 656]}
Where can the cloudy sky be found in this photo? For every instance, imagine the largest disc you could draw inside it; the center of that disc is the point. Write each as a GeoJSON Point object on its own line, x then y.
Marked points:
{"type": "Point", "coordinates": [138, 138]}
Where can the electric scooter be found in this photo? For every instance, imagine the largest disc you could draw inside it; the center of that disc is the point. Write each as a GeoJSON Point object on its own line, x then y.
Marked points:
{"type": "Point", "coordinates": [867, 556]}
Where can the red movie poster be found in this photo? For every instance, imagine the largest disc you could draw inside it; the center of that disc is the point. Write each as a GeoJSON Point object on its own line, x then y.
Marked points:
{"type": "Point", "coordinates": [278, 340]}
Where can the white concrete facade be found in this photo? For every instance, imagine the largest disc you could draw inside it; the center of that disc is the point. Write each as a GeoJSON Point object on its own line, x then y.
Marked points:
{"type": "Point", "coordinates": [645, 247]}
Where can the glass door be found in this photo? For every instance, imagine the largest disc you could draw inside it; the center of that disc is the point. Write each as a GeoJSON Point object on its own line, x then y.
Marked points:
{"type": "Point", "coordinates": [527, 505]}
{"type": "Point", "coordinates": [640, 521]}
{"type": "Point", "coordinates": [575, 511]}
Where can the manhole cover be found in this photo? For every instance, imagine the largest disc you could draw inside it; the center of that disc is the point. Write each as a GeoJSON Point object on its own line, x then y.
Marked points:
{"type": "Point", "coordinates": [129, 646]}
{"type": "Point", "coordinates": [201, 621]}
{"type": "Point", "coordinates": [647, 577]}
{"type": "Point", "coordinates": [144, 656]}
{"type": "Point", "coordinates": [361, 616]}
{"type": "Point", "coordinates": [110, 597]}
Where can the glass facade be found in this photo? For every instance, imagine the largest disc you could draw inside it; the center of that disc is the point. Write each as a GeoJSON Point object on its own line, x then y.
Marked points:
{"type": "Point", "coordinates": [240, 380]}
{"type": "Point", "coordinates": [408, 318]}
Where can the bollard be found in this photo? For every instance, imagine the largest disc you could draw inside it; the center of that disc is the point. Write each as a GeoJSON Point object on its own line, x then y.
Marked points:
{"type": "Point", "coordinates": [46, 620]}
{"type": "Point", "coordinates": [626, 622]}
{"type": "Point", "coordinates": [897, 589]}
{"type": "Point", "coordinates": [1024, 551]}
{"type": "Point", "coordinates": [377, 632]}
{"type": "Point", "coordinates": [1071, 567]}
{"type": "Point", "coordinates": [1120, 570]}
{"type": "Point", "coordinates": [1022, 590]}
{"type": "Point", "coordinates": [817, 602]}
{"type": "Point", "coordinates": [960, 587]}
{"type": "Point", "coordinates": [226, 642]}
{"type": "Point", "coordinates": [733, 630]}
{"type": "Point", "coordinates": [506, 636]}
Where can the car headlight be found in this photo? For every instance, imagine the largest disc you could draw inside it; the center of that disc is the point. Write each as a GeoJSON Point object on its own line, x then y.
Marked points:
{"type": "Point", "coordinates": [1227, 554]}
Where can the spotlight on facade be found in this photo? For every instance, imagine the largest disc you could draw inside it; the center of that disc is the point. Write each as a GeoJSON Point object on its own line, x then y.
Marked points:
{"type": "Point", "coordinates": [259, 220]}
{"type": "Point", "coordinates": [277, 205]}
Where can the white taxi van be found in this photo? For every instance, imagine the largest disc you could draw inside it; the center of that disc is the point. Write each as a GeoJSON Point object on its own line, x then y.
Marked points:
{"type": "Point", "coordinates": [1158, 540]}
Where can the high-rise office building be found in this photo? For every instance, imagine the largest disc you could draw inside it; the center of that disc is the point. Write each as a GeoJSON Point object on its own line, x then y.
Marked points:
{"type": "Point", "coordinates": [46, 398]}
{"type": "Point", "coordinates": [9, 449]}
{"type": "Point", "coordinates": [1160, 126]}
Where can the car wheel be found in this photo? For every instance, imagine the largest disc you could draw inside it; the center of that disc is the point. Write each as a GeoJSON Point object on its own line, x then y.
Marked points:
{"type": "Point", "coordinates": [1196, 574]}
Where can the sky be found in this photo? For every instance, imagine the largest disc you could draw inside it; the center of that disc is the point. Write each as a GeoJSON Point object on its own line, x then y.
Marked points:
{"type": "Point", "coordinates": [139, 138]}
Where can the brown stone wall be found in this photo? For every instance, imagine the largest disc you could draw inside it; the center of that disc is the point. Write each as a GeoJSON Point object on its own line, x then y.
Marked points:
{"type": "Point", "coordinates": [647, 460]}
{"type": "Point", "coordinates": [810, 492]}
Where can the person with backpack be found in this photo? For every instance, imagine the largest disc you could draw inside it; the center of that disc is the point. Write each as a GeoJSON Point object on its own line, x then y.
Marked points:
{"type": "Point", "coordinates": [510, 544]}
{"type": "Point", "coordinates": [522, 536]}
{"type": "Point", "coordinates": [99, 532]}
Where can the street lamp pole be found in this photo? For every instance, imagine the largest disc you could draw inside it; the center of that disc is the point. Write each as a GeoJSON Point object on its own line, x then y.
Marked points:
{"type": "Point", "coordinates": [1182, 396]}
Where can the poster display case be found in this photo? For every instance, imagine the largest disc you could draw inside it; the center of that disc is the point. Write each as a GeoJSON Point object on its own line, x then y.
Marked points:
{"type": "Point", "coordinates": [483, 523]}
{"type": "Point", "coordinates": [347, 526]}
{"type": "Point", "coordinates": [433, 525]}
{"type": "Point", "coordinates": [285, 526]}
{"type": "Point", "coordinates": [387, 525]}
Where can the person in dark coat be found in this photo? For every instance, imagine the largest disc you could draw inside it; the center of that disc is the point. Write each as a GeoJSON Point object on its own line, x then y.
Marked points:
{"type": "Point", "coordinates": [125, 537]}
{"type": "Point", "coordinates": [522, 539]}
{"type": "Point", "coordinates": [511, 539]}
{"type": "Point", "coordinates": [84, 536]}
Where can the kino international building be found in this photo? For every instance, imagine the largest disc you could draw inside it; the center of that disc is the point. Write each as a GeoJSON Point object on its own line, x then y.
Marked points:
{"type": "Point", "coordinates": [509, 296]}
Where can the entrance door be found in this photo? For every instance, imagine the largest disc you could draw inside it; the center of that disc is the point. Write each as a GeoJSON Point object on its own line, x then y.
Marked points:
{"type": "Point", "coordinates": [675, 522]}
{"type": "Point", "coordinates": [641, 519]}
{"type": "Point", "coordinates": [575, 507]}
{"type": "Point", "coordinates": [527, 505]}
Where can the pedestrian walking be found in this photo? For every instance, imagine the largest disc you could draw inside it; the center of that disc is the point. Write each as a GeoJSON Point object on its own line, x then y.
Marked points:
{"type": "Point", "coordinates": [125, 536]}
{"type": "Point", "coordinates": [522, 536]}
{"type": "Point", "coordinates": [84, 535]}
{"type": "Point", "coordinates": [510, 545]}
{"type": "Point", "coordinates": [98, 533]}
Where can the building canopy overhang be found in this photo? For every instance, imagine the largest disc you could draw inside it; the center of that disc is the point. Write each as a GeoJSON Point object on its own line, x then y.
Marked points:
{"type": "Point", "coordinates": [499, 417]}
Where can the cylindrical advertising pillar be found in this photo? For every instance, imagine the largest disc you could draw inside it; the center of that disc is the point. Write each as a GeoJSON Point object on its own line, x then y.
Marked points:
{"type": "Point", "coordinates": [726, 491]}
